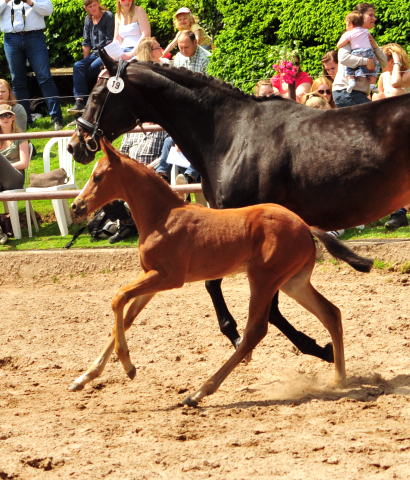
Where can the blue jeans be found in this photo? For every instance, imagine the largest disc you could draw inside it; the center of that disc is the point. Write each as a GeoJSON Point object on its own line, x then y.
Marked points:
{"type": "Point", "coordinates": [84, 70]}
{"type": "Point", "coordinates": [32, 47]}
{"type": "Point", "coordinates": [166, 168]}
{"type": "Point", "coordinates": [344, 99]}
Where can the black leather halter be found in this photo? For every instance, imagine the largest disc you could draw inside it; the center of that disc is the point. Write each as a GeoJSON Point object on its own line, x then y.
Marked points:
{"type": "Point", "coordinates": [92, 145]}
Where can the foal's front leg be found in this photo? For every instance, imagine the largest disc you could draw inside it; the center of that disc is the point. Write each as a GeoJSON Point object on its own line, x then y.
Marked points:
{"type": "Point", "coordinates": [98, 366]}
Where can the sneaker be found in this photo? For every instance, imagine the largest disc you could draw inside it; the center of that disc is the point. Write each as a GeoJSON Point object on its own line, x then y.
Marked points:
{"type": "Point", "coordinates": [58, 124]}
{"type": "Point", "coordinates": [181, 180]}
{"type": "Point", "coordinates": [397, 219]}
{"type": "Point", "coordinates": [360, 227]}
{"type": "Point", "coordinates": [3, 237]}
{"type": "Point", "coordinates": [336, 233]}
{"type": "Point", "coordinates": [78, 107]}
{"type": "Point", "coordinates": [123, 231]}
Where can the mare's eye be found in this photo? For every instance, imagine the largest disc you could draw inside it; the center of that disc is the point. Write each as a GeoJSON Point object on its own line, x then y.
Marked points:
{"type": "Point", "coordinates": [98, 178]}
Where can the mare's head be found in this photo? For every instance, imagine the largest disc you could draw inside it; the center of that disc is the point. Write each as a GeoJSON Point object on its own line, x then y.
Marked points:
{"type": "Point", "coordinates": [103, 186]}
{"type": "Point", "coordinates": [106, 114]}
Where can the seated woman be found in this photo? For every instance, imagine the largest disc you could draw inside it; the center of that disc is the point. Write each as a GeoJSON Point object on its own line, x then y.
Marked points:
{"type": "Point", "coordinates": [264, 88]}
{"type": "Point", "coordinates": [7, 98]}
{"type": "Point", "coordinates": [14, 156]}
{"type": "Point", "coordinates": [149, 50]}
{"type": "Point", "coordinates": [324, 86]}
{"type": "Point", "coordinates": [315, 100]}
{"type": "Point", "coordinates": [131, 26]}
{"type": "Point", "coordinates": [330, 64]}
{"type": "Point", "coordinates": [395, 81]}
{"type": "Point", "coordinates": [302, 79]}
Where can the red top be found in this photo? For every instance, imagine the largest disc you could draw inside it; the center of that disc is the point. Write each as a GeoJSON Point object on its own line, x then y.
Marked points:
{"type": "Point", "coordinates": [301, 77]}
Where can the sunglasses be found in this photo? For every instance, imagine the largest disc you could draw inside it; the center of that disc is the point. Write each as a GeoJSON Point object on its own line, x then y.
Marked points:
{"type": "Point", "coordinates": [6, 115]}
{"type": "Point", "coordinates": [323, 92]}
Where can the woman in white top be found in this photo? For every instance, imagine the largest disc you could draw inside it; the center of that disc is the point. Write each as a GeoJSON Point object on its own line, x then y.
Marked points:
{"type": "Point", "coordinates": [131, 25]}
{"type": "Point", "coordinates": [395, 80]}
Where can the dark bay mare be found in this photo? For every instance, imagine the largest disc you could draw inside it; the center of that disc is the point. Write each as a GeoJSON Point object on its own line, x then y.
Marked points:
{"type": "Point", "coordinates": [334, 168]}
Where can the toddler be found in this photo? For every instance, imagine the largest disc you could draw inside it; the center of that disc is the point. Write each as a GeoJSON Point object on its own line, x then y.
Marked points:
{"type": "Point", "coordinates": [185, 20]}
{"type": "Point", "coordinates": [362, 44]}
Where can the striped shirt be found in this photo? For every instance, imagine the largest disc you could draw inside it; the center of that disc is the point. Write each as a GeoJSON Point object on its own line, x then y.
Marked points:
{"type": "Point", "coordinates": [143, 148]}
{"type": "Point", "coordinates": [198, 63]}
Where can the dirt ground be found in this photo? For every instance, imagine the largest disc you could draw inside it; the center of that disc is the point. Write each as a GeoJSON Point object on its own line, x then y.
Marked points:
{"type": "Point", "coordinates": [276, 417]}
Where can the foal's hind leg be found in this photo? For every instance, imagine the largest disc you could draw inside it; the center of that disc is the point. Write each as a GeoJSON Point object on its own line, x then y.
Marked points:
{"type": "Point", "coordinates": [305, 344]}
{"type": "Point", "coordinates": [255, 331]}
{"type": "Point", "coordinates": [98, 366]}
{"type": "Point", "coordinates": [300, 288]}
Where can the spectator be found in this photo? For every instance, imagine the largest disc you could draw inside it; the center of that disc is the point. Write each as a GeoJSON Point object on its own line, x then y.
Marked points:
{"type": "Point", "coordinates": [98, 32]}
{"type": "Point", "coordinates": [185, 20]}
{"type": "Point", "coordinates": [190, 55]}
{"type": "Point", "coordinates": [264, 88]}
{"type": "Point", "coordinates": [7, 98]}
{"type": "Point", "coordinates": [24, 40]}
{"type": "Point", "coordinates": [302, 79]}
{"type": "Point", "coordinates": [329, 64]}
{"type": "Point", "coordinates": [315, 100]}
{"type": "Point", "coordinates": [131, 26]}
{"type": "Point", "coordinates": [324, 86]}
{"type": "Point", "coordinates": [149, 50]}
{"type": "Point", "coordinates": [395, 81]}
{"type": "Point", "coordinates": [361, 44]}
{"type": "Point", "coordinates": [361, 90]}
{"type": "Point", "coordinates": [144, 148]}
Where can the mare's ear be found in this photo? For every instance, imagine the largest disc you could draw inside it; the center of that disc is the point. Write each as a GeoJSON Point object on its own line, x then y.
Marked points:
{"type": "Point", "coordinates": [110, 64]}
{"type": "Point", "coordinates": [109, 150]}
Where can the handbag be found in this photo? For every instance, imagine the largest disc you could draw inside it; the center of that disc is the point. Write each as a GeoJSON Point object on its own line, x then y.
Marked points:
{"type": "Point", "coordinates": [49, 179]}
{"type": "Point", "coordinates": [5, 224]}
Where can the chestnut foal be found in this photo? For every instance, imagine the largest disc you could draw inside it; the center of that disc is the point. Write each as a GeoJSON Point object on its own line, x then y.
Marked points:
{"type": "Point", "coordinates": [181, 243]}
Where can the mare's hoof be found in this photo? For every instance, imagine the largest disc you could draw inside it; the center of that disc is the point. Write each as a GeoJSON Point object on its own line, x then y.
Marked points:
{"type": "Point", "coordinates": [237, 342]}
{"type": "Point", "coordinates": [248, 358]}
{"type": "Point", "coordinates": [132, 373]}
{"type": "Point", "coordinates": [190, 402]}
{"type": "Point", "coordinates": [328, 353]}
{"type": "Point", "coordinates": [76, 387]}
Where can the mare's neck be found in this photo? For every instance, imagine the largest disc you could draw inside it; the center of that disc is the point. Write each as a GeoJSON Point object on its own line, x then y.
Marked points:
{"type": "Point", "coordinates": [148, 196]}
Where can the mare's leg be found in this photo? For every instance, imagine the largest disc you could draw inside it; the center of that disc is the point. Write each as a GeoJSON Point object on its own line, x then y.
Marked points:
{"type": "Point", "coordinates": [98, 366]}
{"type": "Point", "coordinates": [305, 344]}
{"type": "Point", "coordinates": [255, 331]}
{"type": "Point", "coordinates": [226, 321]}
{"type": "Point", "coordinates": [300, 288]}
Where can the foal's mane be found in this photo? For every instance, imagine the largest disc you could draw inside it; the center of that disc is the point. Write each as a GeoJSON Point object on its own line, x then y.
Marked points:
{"type": "Point", "coordinates": [190, 79]}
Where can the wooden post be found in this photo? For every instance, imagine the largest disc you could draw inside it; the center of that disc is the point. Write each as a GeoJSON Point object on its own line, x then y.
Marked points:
{"type": "Point", "coordinates": [292, 90]}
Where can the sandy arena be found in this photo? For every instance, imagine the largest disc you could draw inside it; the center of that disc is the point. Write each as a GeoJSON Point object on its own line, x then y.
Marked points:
{"type": "Point", "coordinates": [276, 417]}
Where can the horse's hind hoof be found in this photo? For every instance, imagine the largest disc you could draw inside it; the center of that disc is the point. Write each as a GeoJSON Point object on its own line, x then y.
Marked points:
{"type": "Point", "coordinates": [76, 387]}
{"type": "Point", "coordinates": [190, 402]}
{"type": "Point", "coordinates": [132, 373]}
{"type": "Point", "coordinates": [328, 353]}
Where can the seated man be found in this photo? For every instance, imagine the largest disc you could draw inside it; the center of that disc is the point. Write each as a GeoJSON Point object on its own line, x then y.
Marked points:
{"type": "Point", "coordinates": [98, 32]}
{"type": "Point", "coordinates": [144, 148]}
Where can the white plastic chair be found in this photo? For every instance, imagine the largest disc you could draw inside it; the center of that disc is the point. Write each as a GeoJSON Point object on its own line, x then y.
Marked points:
{"type": "Point", "coordinates": [66, 161]}
{"type": "Point", "coordinates": [199, 197]}
{"type": "Point", "coordinates": [11, 207]}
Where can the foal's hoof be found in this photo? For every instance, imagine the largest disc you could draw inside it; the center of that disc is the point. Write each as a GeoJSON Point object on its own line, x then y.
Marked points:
{"type": "Point", "coordinates": [190, 402]}
{"type": "Point", "coordinates": [328, 353]}
{"type": "Point", "coordinates": [132, 373]}
{"type": "Point", "coordinates": [76, 387]}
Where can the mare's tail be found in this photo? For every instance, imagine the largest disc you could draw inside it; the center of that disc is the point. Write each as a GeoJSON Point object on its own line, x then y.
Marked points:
{"type": "Point", "coordinates": [339, 250]}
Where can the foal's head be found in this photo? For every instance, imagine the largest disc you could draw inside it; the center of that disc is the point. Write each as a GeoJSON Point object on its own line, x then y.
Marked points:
{"type": "Point", "coordinates": [104, 185]}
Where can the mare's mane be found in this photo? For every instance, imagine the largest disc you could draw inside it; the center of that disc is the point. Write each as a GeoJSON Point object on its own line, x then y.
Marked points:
{"type": "Point", "coordinates": [189, 79]}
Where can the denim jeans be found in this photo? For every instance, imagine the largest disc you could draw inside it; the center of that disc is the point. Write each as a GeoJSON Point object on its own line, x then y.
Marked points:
{"type": "Point", "coordinates": [166, 168]}
{"type": "Point", "coordinates": [84, 70]}
{"type": "Point", "coordinates": [344, 99]}
{"type": "Point", "coordinates": [31, 46]}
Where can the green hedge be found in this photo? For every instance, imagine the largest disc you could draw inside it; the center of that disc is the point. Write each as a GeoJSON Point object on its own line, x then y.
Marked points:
{"type": "Point", "coordinates": [252, 27]}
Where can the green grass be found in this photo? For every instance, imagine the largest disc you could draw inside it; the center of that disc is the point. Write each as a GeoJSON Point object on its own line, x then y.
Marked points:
{"type": "Point", "coordinates": [49, 237]}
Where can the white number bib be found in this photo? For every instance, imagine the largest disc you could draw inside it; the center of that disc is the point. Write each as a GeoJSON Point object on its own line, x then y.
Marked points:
{"type": "Point", "coordinates": [115, 85]}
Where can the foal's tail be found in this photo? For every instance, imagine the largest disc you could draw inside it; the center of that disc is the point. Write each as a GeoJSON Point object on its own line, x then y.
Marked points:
{"type": "Point", "coordinates": [339, 250]}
